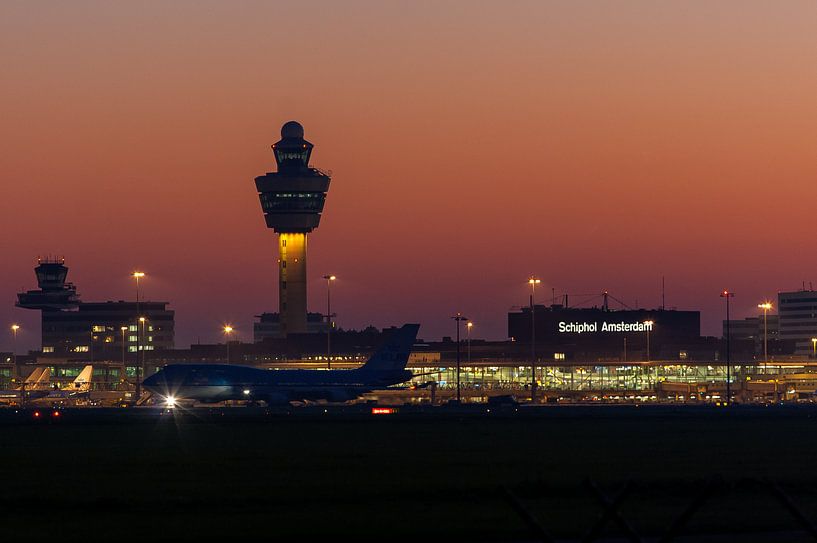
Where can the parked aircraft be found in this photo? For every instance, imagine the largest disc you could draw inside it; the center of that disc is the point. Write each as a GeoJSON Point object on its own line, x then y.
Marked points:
{"type": "Point", "coordinates": [34, 386]}
{"type": "Point", "coordinates": [212, 383]}
{"type": "Point", "coordinates": [77, 389]}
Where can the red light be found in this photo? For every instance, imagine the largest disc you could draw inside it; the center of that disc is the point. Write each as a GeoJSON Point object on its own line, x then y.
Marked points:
{"type": "Point", "coordinates": [383, 410]}
{"type": "Point", "coordinates": [55, 414]}
{"type": "Point", "coordinates": [36, 414]}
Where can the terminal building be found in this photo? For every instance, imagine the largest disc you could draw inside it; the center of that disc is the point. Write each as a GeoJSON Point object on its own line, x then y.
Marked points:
{"type": "Point", "coordinates": [94, 330]}
{"type": "Point", "coordinates": [268, 326]}
{"type": "Point", "coordinates": [798, 320]}
{"type": "Point", "coordinates": [596, 333]}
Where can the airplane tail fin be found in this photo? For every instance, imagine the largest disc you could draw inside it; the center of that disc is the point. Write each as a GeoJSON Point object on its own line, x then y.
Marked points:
{"type": "Point", "coordinates": [83, 380]}
{"type": "Point", "coordinates": [43, 380]}
{"type": "Point", "coordinates": [32, 379]}
{"type": "Point", "coordinates": [393, 355]}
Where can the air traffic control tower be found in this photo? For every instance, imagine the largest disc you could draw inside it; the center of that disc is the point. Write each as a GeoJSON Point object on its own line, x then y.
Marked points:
{"type": "Point", "coordinates": [292, 201]}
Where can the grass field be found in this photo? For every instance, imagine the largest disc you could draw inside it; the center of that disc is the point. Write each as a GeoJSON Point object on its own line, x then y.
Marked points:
{"type": "Point", "coordinates": [404, 477]}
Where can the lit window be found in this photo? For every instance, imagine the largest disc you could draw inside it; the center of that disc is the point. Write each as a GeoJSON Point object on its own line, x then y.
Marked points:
{"type": "Point", "coordinates": [97, 328]}
{"type": "Point", "coordinates": [150, 338]}
{"type": "Point", "coordinates": [48, 349]}
{"type": "Point", "coordinates": [108, 339]}
{"type": "Point", "coordinates": [132, 328]}
{"type": "Point", "coordinates": [81, 349]}
{"type": "Point", "coordinates": [132, 339]}
{"type": "Point", "coordinates": [558, 356]}
{"type": "Point", "coordinates": [132, 349]}
{"type": "Point", "coordinates": [150, 328]}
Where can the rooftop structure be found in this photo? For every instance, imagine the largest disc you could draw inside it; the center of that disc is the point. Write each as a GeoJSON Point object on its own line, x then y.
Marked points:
{"type": "Point", "coordinates": [54, 294]}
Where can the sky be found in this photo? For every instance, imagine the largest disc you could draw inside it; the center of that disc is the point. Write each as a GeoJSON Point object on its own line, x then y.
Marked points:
{"type": "Point", "coordinates": [597, 145]}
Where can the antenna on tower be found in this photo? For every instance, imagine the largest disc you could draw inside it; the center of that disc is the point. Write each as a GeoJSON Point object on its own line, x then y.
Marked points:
{"type": "Point", "coordinates": [663, 295]}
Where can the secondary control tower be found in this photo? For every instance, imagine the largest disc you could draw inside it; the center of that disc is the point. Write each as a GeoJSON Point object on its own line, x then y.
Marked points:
{"type": "Point", "coordinates": [54, 293]}
{"type": "Point", "coordinates": [292, 201]}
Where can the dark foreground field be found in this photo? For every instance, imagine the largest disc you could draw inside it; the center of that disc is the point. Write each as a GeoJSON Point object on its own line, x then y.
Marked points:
{"type": "Point", "coordinates": [413, 476]}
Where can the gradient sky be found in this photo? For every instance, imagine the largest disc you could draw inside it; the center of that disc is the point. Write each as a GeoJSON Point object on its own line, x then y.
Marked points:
{"type": "Point", "coordinates": [598, 145]}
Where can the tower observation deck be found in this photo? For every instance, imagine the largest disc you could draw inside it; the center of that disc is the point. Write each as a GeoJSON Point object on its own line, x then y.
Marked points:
{"type": "Point", "coordinates": [292, 200]}
{"type": "Point", "coordinates": [54, 294]}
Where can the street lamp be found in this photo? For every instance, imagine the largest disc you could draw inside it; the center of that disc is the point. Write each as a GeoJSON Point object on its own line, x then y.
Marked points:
{"type": "Point", "coordinates": [468, 326]}
{"type": "Point", "coordinates": [139, 346]}
{"type": "Point", "coordinates": [765, 306]}
{"type": "Point", "coordinates": [458, 318]}
{"type": "Point", "coordinates": [227, 331]}
{"type": "Point", "coordinates": [726, 294]}
{"type": "Point", "coordinates": [648, 328]}
{"type": "Point", "coordinates": [533, 281]}
{"type": "Point", "coordinates": [329, 279]}
{"type": "Point", "coordinates": [137, 275]}
{"type": "Point", "coordinates": [123, 329]}
{"type": "Point", "coordinates": [14, 329]}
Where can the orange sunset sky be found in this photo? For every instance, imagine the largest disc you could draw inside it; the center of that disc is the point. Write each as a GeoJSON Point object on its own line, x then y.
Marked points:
{"type": "Point", "coordinates": [598, 145]}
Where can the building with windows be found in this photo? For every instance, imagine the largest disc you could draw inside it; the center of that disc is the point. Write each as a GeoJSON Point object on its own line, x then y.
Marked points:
{"type": "Point", "coordinates": [798, 319]}
{"type": "Point", "coordinates": [578, 333]}
{"type": "Point", "coordinates": [94, 330]}
{"type": "Point", "coordinates": [101, 329]}
{"type": "Point", "coordinates": [268, 326]}
{"type": "Point", "coordinates": [752, 329]}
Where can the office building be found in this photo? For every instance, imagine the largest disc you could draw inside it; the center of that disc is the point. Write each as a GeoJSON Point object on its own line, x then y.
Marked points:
{"type": "Point", "coordinates": [574, 332]}
{"type": "Point", "coordinates": [798, 319]}
{"type": "Point", "coordinates": [268, 326]}
{"type": "Point", "coordinates": [94, 329]}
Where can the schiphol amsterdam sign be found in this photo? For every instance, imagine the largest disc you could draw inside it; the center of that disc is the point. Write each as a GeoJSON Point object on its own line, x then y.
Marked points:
{"type": "Point", "coordinates": [592, 327]}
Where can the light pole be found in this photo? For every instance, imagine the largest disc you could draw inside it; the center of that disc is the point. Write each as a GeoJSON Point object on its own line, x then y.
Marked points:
{"type": "Point", "coordinates": [468, 326]}
{"type": "Point", "coordinates": [533, 281]}
{"type": "Point", "coordinates": [765, 306]}
{"type": "Point", "coordinates": [227, 331]}
{"type": "Point", "coordinates": [814, 347]}
{"type": "Point", "coordinates": [647, 328]}
{"type": "Point", "coordinates": [123, 329]}
{"type": "Point", "coordinates": [140, 366]}
{"type": "Point", "coordinates": [137, 275]}
{"type": "Point", "coordinates": [329, 279]}
{"type": "Point", "coordinates": [14, 329]}
{"type": "Point", "coordinates": [458, 318]}
{"type": "Point", "coordinates": [726, 294]}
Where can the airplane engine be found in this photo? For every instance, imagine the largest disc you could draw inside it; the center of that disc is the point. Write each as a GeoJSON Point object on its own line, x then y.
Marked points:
{"type": "Point", "coordinates": [277, 399]}
{"type": "Point", "coordinates": [339, 395]}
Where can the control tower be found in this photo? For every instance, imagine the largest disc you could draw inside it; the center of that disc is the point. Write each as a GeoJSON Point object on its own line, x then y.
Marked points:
{"type": "Point", "coordinates": [292, 201]}
{"type": "Point", "coordinates": [54, 293]}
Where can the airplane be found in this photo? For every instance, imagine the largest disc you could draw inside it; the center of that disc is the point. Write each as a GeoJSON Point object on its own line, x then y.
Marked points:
{"type": "Point", "coordinates": [35, 386]}
{"type": "Point", "coordinates": [213, 383]}
{"type": "Point", "coordinates": [78, 388]}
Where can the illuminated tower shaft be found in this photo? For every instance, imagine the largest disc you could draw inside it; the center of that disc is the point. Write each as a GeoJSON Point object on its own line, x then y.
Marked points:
{"type": "Point", "coordinates": [292, 200]}
{"type": "Point", "coordinates": [292, 281]}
